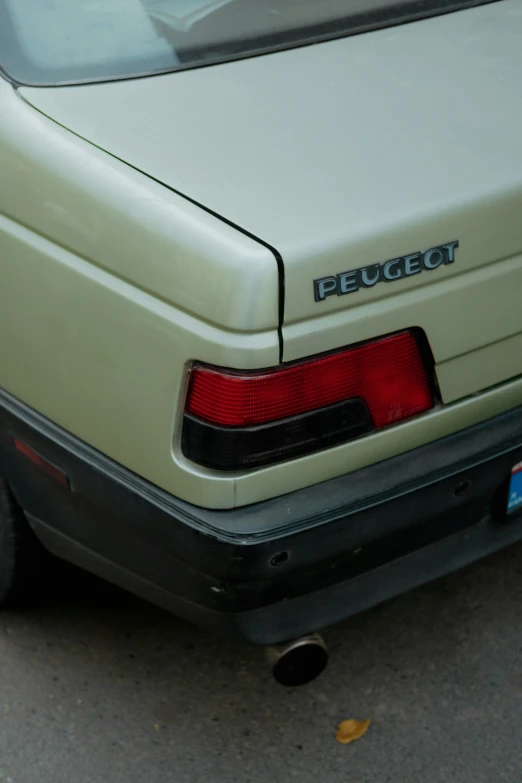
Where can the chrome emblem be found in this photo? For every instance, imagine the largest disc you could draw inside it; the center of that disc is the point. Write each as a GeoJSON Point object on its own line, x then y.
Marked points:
{"type": "Point", "coordinates": [387, 272]}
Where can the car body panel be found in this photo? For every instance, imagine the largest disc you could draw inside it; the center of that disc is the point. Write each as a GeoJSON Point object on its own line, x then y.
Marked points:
{"type": "Point", "coordinates": [382, 145]}
{"type": "Point", "coordinates": [129, 225]}
{"type": "Point", "coordinates": [102, 357]}
{"type": "Point", "coordinates": [106, 360]}
{"type": "Point", "coordinates": [132, 279]}
{"type": "Point", "coordinates": [116, 379]}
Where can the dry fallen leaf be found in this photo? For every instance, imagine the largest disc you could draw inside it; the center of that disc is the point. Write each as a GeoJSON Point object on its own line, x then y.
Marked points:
{"type": "Point", "coordinates": [350, 730]}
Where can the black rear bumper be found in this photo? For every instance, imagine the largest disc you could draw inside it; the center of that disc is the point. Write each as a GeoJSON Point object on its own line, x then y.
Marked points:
{"type": "Point", "coordinates": [284, 567]}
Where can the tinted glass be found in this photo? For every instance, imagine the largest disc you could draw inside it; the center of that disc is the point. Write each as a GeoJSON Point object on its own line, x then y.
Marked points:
{"type": "Point", "coordinates": [47, 42]}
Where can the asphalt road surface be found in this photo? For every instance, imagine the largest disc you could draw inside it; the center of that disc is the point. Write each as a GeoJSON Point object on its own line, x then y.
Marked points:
{"type": "Point", "coordinates": [96, 685]}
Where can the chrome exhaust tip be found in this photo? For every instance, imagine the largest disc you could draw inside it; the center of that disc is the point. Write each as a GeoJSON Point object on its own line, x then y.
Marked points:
{"type": "Point", "coordinates": [298, 662]}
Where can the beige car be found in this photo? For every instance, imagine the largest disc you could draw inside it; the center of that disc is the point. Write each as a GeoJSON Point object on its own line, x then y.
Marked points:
{"type": "Point", "coordinates": [260, 301]}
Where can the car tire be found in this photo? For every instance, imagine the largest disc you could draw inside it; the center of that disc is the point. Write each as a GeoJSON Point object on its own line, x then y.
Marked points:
{"type": "Point", "coordinates": [21, 554]}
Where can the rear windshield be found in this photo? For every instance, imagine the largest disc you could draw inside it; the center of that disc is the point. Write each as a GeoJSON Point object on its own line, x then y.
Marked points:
{"type": "Point", "coordinates": [51, 42]}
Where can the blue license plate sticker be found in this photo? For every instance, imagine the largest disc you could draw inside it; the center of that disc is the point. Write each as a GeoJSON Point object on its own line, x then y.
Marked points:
{"type": "Point", "coordinates": [515, 489]}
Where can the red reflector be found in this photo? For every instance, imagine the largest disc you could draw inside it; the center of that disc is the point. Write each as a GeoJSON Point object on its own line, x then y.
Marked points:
{"type": "Point", "coordinates": [55, 473]}
{"type": "Point", "coordinates": [388, 375]}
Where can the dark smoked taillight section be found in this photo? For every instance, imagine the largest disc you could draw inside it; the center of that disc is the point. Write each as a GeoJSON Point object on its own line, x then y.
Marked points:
{"type": "Point", "coordinates": [228, 449]}
{"type": "Point", "coordinates": [235, 419]}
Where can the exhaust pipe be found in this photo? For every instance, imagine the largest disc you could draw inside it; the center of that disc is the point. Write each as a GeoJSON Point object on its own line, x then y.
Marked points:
{"type": "Point", "coordinates": [298, 662]}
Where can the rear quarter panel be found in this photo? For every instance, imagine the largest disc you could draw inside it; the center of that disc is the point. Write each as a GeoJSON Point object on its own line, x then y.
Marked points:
{"type": "Point", "coordinates": [110, 285]}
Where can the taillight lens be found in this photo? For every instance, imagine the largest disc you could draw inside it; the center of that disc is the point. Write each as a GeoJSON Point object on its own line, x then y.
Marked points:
{"type": "Point", "coordinates": [270, 412]}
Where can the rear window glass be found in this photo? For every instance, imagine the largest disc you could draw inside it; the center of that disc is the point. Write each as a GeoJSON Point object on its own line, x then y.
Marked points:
{"type": "Point", "coordinates": [49, 42]}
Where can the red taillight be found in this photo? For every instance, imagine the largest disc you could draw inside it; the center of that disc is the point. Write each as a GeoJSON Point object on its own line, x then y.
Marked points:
{"type": "Point", "coordinates": [236, 420]}
{"type": "Point", "coordinates": [388, 375]}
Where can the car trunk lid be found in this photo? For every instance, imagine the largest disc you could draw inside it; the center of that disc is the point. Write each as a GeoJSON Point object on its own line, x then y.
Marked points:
{"type": "Point", "coordinates": [343, 156]}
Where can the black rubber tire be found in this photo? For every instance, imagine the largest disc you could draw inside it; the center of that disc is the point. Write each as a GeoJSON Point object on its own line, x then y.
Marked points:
{"type": "Point", "coordinates": [21, 554]}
